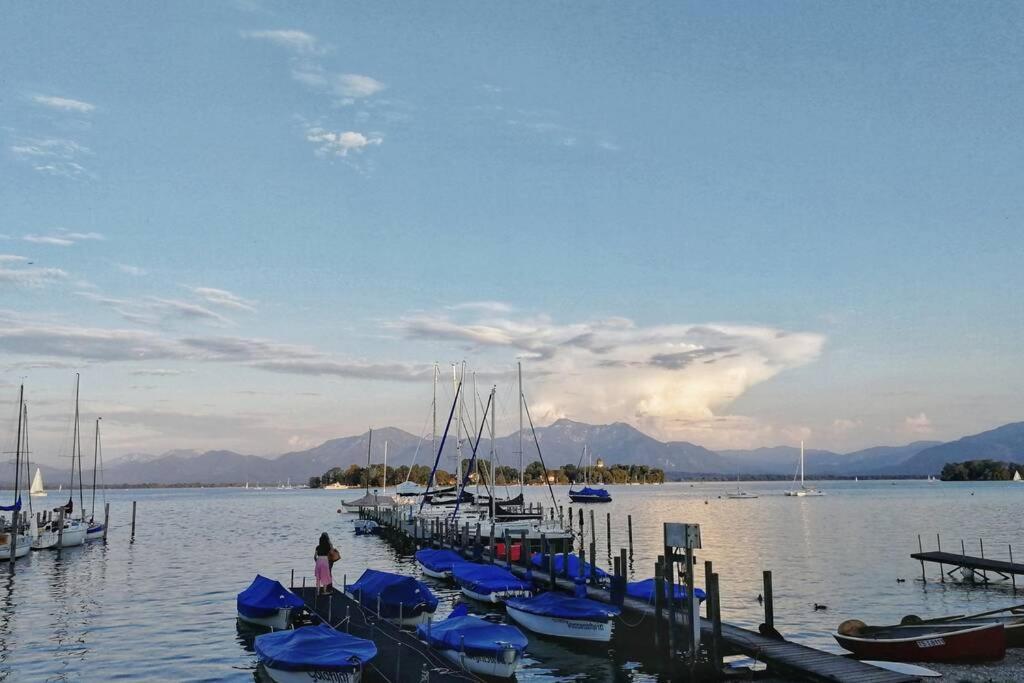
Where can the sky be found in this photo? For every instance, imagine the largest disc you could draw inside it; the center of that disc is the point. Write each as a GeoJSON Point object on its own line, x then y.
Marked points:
{"type": "Point", "coordinates": [256, 226]}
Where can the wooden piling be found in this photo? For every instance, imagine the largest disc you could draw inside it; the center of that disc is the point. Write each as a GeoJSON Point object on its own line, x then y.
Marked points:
{"type": "Point", "coordinates": [593, 562]}
{"type": "Point", "coordinates": [707, 581]}
{"type": "Point", "coordinates": [716, 622]}
{"type": "Point", "coordinates": [659, 598]}
{"type": "Point", "coordinates": [60, 528]}
{"type": "Point", "coordinates": [1013, 577]}
{"type": "Point", "coordinates": [942, 571]}
{"type": "Point", "coordinates": [984, 573]}
{"type": "Point", "coordinates": [769, 600]}
{"type": "Point", "coordinates": [132, 539]}
{"type": "Point", "coordinates": [629, 527]}
{"type": "Point", "coordinates": [106, 520]}
{"type": "Point", "coordinates": [616, 566]}
{"type": "Point", "coordinates": [920, 548]}
{"type": "Point", "coordinates": [608, 529]}
{"type": "Point", "coordinates": [593, 536]}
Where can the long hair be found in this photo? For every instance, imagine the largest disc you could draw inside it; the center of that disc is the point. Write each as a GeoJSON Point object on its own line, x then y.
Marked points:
{"type": "Point", "coordinates": [324, 547]}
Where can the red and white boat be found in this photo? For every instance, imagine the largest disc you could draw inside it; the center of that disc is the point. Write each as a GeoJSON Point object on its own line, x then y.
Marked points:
{"type": "Point", "coordinates": [961, 642]}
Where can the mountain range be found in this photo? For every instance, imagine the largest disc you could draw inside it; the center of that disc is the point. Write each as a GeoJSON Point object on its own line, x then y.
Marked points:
{"type": "Point", "coordinates": [562, 443]}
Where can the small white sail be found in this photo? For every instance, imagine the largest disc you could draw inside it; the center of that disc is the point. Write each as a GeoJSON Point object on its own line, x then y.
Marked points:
{"type": "Point", "coordinates": [1016, 475]}
{"type": "Point", "coordinates": [37, 484]}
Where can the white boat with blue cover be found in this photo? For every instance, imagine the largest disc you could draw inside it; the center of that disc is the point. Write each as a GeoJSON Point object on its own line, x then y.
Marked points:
{"type": "Point", "coordinates": [314, 653]}
{"type": "Point", "coordinates": [402, 600]}
{"type": "Point", "coordinates": [438, 563]}
{"type": "Point", "coordinates": [476, 645]}
{"type": "Point", "coordinates": [539, 560]}
{"type": "Point", "coordinates": [563, 616]}
{"type": "Point", "coordinates": [644, 590]}
{"type": "Point", "coordinates": [489, 583]}
{"type": "Point", "coordinates": [267, 603]}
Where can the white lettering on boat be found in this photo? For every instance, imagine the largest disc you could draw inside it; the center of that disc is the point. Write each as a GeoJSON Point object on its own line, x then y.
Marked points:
{"type": "Point", "coordinates": [931, 642]}
{"type": "Point", "coordinates": [331, 676]}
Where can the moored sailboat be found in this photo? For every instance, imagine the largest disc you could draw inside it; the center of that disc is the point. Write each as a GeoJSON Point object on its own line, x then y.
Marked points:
{"type": "Point", "coordinates": [37, 489]}
{"type": "Point", "coordinates": [804, 490]}
{"type": "Point", "coordinates": [14, 542]}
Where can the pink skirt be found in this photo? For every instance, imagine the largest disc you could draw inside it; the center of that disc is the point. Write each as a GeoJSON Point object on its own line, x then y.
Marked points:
{"type": "Point", "coordinates": [323, 572]}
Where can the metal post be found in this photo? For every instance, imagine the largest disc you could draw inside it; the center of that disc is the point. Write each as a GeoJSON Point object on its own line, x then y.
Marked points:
{"type": "Point", "coordinates": [616, 566]}
{"type": "Point", "coordinates": [659, 596]}
{"type": "Point", "coordinates": [134, 504]}
{"type": "Point", "coordinates": [622, 561]}
{"type": "Point", "coordinates": [769, 600]}
{"type": "Point", "coordinates": [608, 529]}
{"type": "Point", "coordinates": [984, 573]}
{"type": "Point", "coordinates": [593, 562]}
{"type": "Point", "coordinates": [292, 583]}
{"type": "Point", "coordinates": [1013, 576]}
{"type": "Point", "coordinates": [593, 536]}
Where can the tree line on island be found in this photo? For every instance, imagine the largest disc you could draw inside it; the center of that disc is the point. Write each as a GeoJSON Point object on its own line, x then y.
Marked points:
{"type": "Point", "coordinates": [980, 470]}
{"type": "Point", "coordinates": [534, 473]}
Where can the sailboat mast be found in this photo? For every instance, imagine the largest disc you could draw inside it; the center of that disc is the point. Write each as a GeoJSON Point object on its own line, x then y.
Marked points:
{"type": "Point", "coordinates": [27, 459]}
{"type": "Point", "coordinates": [801, 464]}
{"type": "Point", "coordinates": [369, 447]}
{"type": "Point", "coordinates": [433, 433]}
{"type": "Point", "coordinates": [17, 478]}
{"type": "Point", "coordinates": [385, 466]}
{"type": "Point", "coordinates": [458, 429]}
{"type": "Point", "coordinates": [519, 367]}
{"type": "Point", "coordinates": [490, 466]}
{"type": "Point", "coordinates": [95, 460]}
{"type": "Point", "coordinates": [476, 463]}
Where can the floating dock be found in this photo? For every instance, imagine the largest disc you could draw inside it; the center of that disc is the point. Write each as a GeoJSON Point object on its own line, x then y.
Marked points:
{"type": "Point", "coordinates": [791, 660]}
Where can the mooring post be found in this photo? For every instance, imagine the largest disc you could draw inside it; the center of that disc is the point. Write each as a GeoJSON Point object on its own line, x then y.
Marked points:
{"type": "Point", "coordinates": [291, 584]}
{"type": "Point", "coordinates": [508, 549]}
{"type": "Point", "coordinates": [769, 600]}
{"type": "Point", "coordinates": [942, 570]}
{"type": "Point", "coordinates": [593, 562]}
{"type": "Point", "coordinates": [60, 528]}
{"type": "Point", "coordinates": [707, 582]}
{"type": "Point", "coordinates": [566, 550]}
{"type": "Point", "coordinates": [593, 536]}
{"type": "Point", "coordinates": [106, 520]}
{"type": "Point", "coordinates": [608, 529]}
{"type": "Point", "coordinates": [659, 599]}
{"type": "Point", "coordinates": [491, 552]}
{"type": "Point", "coordinates": [582, 532]}
{"type": "Point", "coordinates": [629, 527]}
{"type": "Point", "coordinates": [716, 622]}
{"type": "Point", "coordinates": [616, 566]}
{"type": "Point", "coordinates": [561, 517]}
{"type": "Point", "coordinates": [1013, 576]}
{"type": "Point", "coordinates": [134, 504]}
{"type": "Point", "coordinates": [570, 519]}
{"type": "Point", "coordinates": [920, 549]}
{"type": "Point", "coordinates": [984, 572]}
{"type": "Point", "coordinates": [622, 561]}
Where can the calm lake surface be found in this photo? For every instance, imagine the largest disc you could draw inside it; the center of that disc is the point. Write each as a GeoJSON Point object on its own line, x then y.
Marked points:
{"type": "Point", "coordinates": [163, 608]}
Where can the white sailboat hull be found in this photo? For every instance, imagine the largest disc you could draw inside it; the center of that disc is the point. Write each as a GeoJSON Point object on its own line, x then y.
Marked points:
{"type": "Point", "coordinates": [577, 629]}
{"type": "Point", "coordinates": [21, 548]}
{"type": "Point", "coordinates": [74, 534]}
{"type": "Point", "coordinates": [282, 676]}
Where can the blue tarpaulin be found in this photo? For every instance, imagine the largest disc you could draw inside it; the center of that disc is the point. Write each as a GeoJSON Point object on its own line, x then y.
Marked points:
{"type": "Point", "coordinates": [264, 597]}
{"type": "Point", "coordinates": [472, 635]}
{"type": "Point", "coordinates": [438, 560]}
{"type": "Point", "coordinates": [400, 596]}
{"type": "Point", "coordinates": [564, 607]}
{"type": "Point", "coordinates": [644, 590]}
{"type": "Point", "coordinates": [487, 578]}
{"type": "Point", "coordinates": [540, 561]}
{"type": "Point", "coordinates": [12, 508]}
{"type": "Point", "coordinates": [314, 648]}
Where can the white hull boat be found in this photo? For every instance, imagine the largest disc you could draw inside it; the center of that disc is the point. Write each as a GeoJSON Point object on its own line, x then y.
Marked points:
{"type": "Point", "coordinates": [435, 575]}
{"type": "Point", "coordinates": [484, 666]}
{"type": "Point", "coordinates": [577, 629]}
{"type": "Point", "coordinates": [94, 532]}
{"type": "Point", "coordinates": [277, 622]}
{"type": "Point", "coordinates": [282, 676]}
{"type": "Point", "coordinates": [21, 548]}
{"type": "Point", "coordinates": [74, 534]}
{"type": "Point", "coordinates": [803, 491]}
{"type": "Point", "coordinates": [496, 597]}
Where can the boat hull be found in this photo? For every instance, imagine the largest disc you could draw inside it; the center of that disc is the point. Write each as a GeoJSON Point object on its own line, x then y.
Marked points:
{"type": "Point", "coordinates": [72, 536]}
{"type": "Point", "coordinates": [496, 597]}
{"type": "Point", "coordinates": [278, 621]}
{"type": "Point", "coordinates": [318, 676]}
{"type": "Point", "coordinates": [404, 622]}
{"type": "Point", "coordinates": [435, 574]}
{"type": "Point", "coordinates": [970, 644]}
{"type": "Point", "coordinates": [94, 533]}
{"type": "Point", "coordinates": [589, 499]}
{"type": "Point", "coordinates": [483, 665]}
{"type": "Point", "coordinates": [577, 629]}
{"type": "Point", "coordinates": [21, 548]}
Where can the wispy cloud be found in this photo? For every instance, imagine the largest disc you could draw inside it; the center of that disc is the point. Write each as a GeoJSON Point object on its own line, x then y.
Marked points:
{"type": "Point", "coordinates": [340, 143]}
{"type": "Point", "coordinates": [64, 103]}
{"type": "Point", "coordinates": [292, 39]}
{"type": "Point", "coordinates": [222, 297]}
{"type": "Point", "coordinates": [918, 424]}
{"type": "Point", "coordinates": [482, 306]}
{"type": "Point", "coordinates": [52, 156]}
{"type": "Point", "coordinates": [12, 258]}
{"type": "Point", "coordinates": [156, 372]}
{"type": "Point", "coordinates": [357, 85]}
{"type": "Point", "coordinates": [186, 310]}
{"type": "Point", "coordinates": [31, 277]}
{"type": "Point", "coordinates": [130, 270]}
{"type": "Point", "coordinates": [63, 238]}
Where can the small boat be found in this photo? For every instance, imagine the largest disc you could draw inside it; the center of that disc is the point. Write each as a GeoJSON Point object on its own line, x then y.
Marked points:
{"type": "Point", "coordinates": [51, 537]}
{"type": "Point", "coordinates": [313, 653]}
{"type": "Point", "coordinates": [804, 490]}
{"type": "Point", "coordinates": [740, 495]}
{"type": "Point", "coordinates": [476, 645]}
{"type": "Point", "coordinates": [37, 489]}
{"type": "Point", "coordinates": [438, 564]}
{"type": "Point", "coordinates": [563, 616]}
{"type": "Point", "coordinates": [1010, 617]}
{"type": "Point", "coordinates": [588, 494]}
{"type": "Point", "coordinates": [540, 561]}
{"type": "Point", "coordinates": [267, 603]}
{"type": "Point", "coordinates": [410, 488]}
{"type": "Point", "coordinates": [1016, 475]}
{"type": "Point", "coordinates": [962, 642]}
{"type": "Point", "coordinates": [489, 583]}
{"type": "Point", "coordinates": [22, 545]}
{"type": "Point", "coordinates": [644, 590]}
{"type": "Point", "coordinates": [402, 600]}
{"type": "Point", "coordinates": [365, 527]}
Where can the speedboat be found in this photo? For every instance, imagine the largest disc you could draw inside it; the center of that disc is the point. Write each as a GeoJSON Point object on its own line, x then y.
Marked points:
{"type": "Point", "coordinates": [314, 653]}
{"type": "Point", "coordinates": [476, 645]}
{"type": "Point", "coordinates": [267, 603]}
{"type": "Point", "coordinates": [562, 616]}
{"type": "Point", "coordinates": [438, 564]}
{"type": "Point", "coordinates": [489, 583]}
{"type": "Point", "coordinates": [962, 642]}
{"type": "Point", "coordinates": [590, 495]}
{"type": "Point", "coordinates": [402, 600]}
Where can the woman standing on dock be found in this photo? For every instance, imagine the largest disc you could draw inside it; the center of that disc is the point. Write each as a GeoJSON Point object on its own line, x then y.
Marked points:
{"type": "Point", "coordinates": [325, 557]}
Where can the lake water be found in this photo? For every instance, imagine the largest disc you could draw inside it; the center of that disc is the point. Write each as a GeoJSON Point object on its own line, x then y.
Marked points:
{"type": "Point", "coordinates": [163, 608]}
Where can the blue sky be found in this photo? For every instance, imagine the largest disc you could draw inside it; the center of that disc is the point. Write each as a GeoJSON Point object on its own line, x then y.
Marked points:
{"type": "Point", "coordinates": [255, 226]}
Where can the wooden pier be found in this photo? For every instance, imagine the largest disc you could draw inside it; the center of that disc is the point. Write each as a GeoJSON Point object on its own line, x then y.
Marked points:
{"type": "Point", "coordinates": [978, 565]}
{"type": "Point", "coordinates": [791, 660]}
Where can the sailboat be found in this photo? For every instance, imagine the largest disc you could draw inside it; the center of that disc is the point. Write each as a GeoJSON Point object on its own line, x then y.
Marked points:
{"type": "Point", "coordinates": [14, 542]}
{"type": "Point", "coordinates": [587, 494]}
{"type": "Point", "coordinates": [51, 535]}
{"type": "Point", "coordinates": [740, 494]}
{"type": "Point", "coordinates": [804, 490]}
{"type": "Point", "coordinates": [1016, 475]}
{"type": "Point", "coordinates": [37, 489]}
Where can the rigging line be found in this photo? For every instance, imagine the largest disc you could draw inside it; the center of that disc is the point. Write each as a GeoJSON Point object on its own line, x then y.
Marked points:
{"type": "Point", "coordinates": [536, 442]}
{"type": "Point", "coordinates": [440, 449]}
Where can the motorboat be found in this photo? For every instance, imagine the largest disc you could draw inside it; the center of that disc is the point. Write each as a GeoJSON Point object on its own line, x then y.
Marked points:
{"type": "Point", "coordinates": [563, 616]}
{"type": "Point", "coordinates": [476, 645]}
{"type": "Point", "coordinates": [489, 583]}
{"type": "Point", "coordinates": [436, 563]}
{"type": "Point", "coordinates": [267, 603]}
{"type": "Point", "coordinates": [644, 590]}
{"type": "Point", "coordinates": [401, 600]}
{"type": "Point", "coordinates": [314, 653]}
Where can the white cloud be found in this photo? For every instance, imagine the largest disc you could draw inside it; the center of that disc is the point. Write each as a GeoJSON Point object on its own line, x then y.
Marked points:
{"type": "Point", "coordinates": [843, 425]}
{"type": "Point", "coordinates": [918, 424]}
{"type": "Point", "coordinates": [156, 372]}
{"type": "Point", "coordinates": [339, 144]}
{"type": "Point", "coordinates": [222, 297]}
{"type": "Point", "coordinates": [292, 39]}
{"type": "Point", "coordinates": [11, 258]}
{"type": "Point", "coordinates": [186, 310]}
{"type": "Point", "coordinates": [63, 238]}
{"type": "Point", "coordinates": [482, 306]}
{"type": "Point", "coordinates": [131, 270]}
{"type": "Point", "coordinates": [52, 156]}
{"type": "Point", "coordinates": [31, 277]}
{"type": "Point", "coordinates": [357, 85]}
{"type": "Point", "coordinates": [64, 103]}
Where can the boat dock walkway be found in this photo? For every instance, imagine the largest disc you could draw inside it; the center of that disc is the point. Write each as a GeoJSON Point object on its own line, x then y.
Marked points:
{"type": "Point", "coordinates": [401, 657]}
{"type": "Point", "coordinates": [792, 660]}
{"type": "Point", "coordinates": [977, 565]}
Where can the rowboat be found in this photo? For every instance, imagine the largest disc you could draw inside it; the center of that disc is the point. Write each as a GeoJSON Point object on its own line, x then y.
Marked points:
{"type": "Point", "coordinates": [313, 653]}
{"type": "Point", "coordinates": [438, 564]}
{"type": "Point", "coordinates": [961, 642]}
{"type": "Point", "coordinates": [1012, 619]}
{"type": "Point", "coordinates": [488, 583]}
{"type": "Point", "coordinates": [474, 644]}
{"type": "Point", "coordinates": [402, 600]}
{"type": "Point", "coordinates": [562, 616]}
{"type": "Point", "coordinates": [267, 603]}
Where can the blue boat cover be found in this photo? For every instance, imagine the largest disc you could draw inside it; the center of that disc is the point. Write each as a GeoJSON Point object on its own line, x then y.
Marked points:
{"type": "Point", "coordinates": [12, 508]}
{"type": "Point", "coordinates": [438, 560]}
{"type": "Point", "coordinates": [399, 595]}
{"type": "Point", "coordinates": [644, 590]}
{"type": "Point", "coordinates": [587, 491]}
{"type": "Point", "coordinates": [540, 561]}
{"type": "Point", "coordinates": [487, 578]}
{"type": "Point", "coordinates": [314, 648]}
{"type": "Point", "coordinates": [472, 635]}
{"type": "Point", "coordinates": [264, 597]}
{"type": "Point", "coordinates": [564, 607]}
